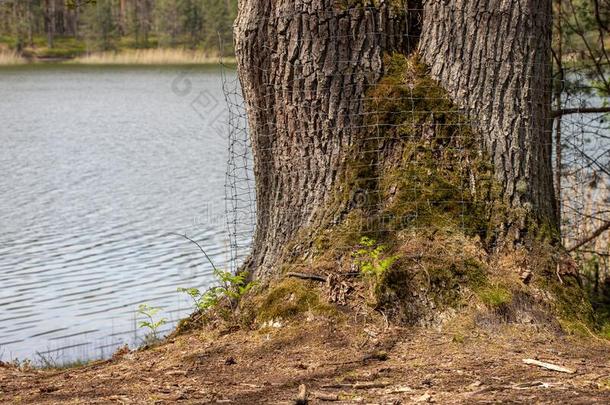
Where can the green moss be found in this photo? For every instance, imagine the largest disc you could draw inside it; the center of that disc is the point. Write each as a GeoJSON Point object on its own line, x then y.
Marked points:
{"type": "Point", "coordinates": [344, 237]}
{"type": "Point", "coordinates": [422, 165]}
{"type": "Point", "coordinates": [604, 384]}
{"type": "Point", "coordinates": [449, 277]}
{"type": "Point", "coordinates": [572, 302]}
{"type": "Point", "coordinates": [494, 296]}
{"type": "Point", "coordinates": [436, 277]}
{"type": "Point", "coordinates": [575, 328]}
{"type": "Point", "coordinates": [458, 338]}
{"type": "Point", "coordinates": [290, 298]}
{"type": "Point", "coordinates": [605, 330]}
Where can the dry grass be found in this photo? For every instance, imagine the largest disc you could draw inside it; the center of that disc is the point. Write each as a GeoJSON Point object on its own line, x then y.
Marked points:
{"type": "Point", "coordinates": [149, 57]}
{"type": "Point", "coordinates": [8, 58]}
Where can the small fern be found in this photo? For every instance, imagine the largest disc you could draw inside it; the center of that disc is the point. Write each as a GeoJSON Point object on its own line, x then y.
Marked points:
{"type": "Point", "coordinates": [370, 258]}
{"type": "Point", "coordinates": [230, 288]}
{"type": "Point", "coordinates": [149, 313]}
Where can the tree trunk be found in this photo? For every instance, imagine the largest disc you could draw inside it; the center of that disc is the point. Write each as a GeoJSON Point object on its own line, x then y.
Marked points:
{"type": "Point", "coordinates": [306, 67]}
{"type": "Point", "coordinates": [122, 17]}
{"type": "Point", "coordinates": [494, 59]}
{"type": "Point", "coordinates": [49, 17]}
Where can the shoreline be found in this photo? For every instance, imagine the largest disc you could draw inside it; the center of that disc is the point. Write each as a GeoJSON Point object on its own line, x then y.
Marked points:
{"type": "Point", "coordinates": [139, 57]}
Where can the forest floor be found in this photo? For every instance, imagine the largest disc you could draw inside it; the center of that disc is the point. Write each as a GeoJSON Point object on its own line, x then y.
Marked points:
{"type": "Point", "coordinates": [345, 361]}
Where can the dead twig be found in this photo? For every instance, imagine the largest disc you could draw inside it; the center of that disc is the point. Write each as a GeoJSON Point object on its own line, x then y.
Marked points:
{"type": "Point", "coordinates": [199, 246]}
{"type": "Point", "coordinates": [318, 277]}
{"type": "Point", "coordinates": [312, 277]}
{"type": "Point", "coordinates": [584, 110]}
{"type": "Point", "coordinates": [557, 272]}
{"type": "Point", "coordinates": [590, 238]}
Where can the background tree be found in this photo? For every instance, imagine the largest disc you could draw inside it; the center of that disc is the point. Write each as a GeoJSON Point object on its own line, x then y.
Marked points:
{"type": "Point", "coordinates": [193, 13]}
{"type": "Point", "coordinates": [193, 24]}
{"type": "Point", "coordinates": [582, 159]}
{"type": "Point", "coordinates": [101, 26]}
{"type": "Point", "coordinates": [49, 18]}
{"type": "Point", "coordinates": [217, 22]}
{"type": "Point", "coordinates": [168, 21]}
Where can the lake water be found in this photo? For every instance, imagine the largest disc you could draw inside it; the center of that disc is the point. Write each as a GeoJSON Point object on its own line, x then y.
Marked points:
{"type": "Point", "coordinates": [97, 167]}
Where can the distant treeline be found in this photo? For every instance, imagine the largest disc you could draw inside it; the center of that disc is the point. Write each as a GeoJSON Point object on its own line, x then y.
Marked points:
{"type": "Point", "coordinates": [102, 25]}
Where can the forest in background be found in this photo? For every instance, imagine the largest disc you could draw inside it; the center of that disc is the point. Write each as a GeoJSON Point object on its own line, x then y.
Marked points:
{"type": "Point", "coordinates": [581, 67]}
{"type": "Point", "coordinates": [72, 28]}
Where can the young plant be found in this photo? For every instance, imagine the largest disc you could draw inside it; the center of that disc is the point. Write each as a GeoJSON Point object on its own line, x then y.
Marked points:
{"type": "Point", "coordinates": [229, 288]}
{"type": "Point", "coordinates": [233, 286]}
{"type": "Point", "coordinates": [370, 258]}
{"type": "Point", "coordinates": [202, 301]}
{"type": "Point", "coordinates": [149, 313]}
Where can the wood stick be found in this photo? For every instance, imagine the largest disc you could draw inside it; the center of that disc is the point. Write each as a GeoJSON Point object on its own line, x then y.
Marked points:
{"type": "Point", "coordinates": [548, 366]}
{"type": "Point", "coordinates": [327, 397]}
{"type": "Point", "coordinates": [594, 235]}
{"type": "Point", "coordinates": [304, 276]}
{"type": "Point", "coordinates": [586, 110]}
{"type": "Point", "coordinates": [319, 277]}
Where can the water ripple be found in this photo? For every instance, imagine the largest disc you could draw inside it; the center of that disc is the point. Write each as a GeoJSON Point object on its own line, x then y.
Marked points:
{"type": "Point", "coordinates": [99, 167]}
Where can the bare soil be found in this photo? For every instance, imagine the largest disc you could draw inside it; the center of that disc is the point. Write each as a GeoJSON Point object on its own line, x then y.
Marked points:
{"type": "Point", "coordinates": [338, 361]}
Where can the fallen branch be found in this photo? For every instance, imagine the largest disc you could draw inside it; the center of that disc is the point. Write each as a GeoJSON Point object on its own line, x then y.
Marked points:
{"type": "Point", "coordinates": [594, 235]}
{"type": "Point", "coordinates": [586, 110]}
{"type": "Point", "coordinates": [327, 397]}
{"type": "Point", "coordinates": [361, 385]}
{"type": "Point", "coordinates": [318, 277]}
{"type": "Point", "coordinates": [548, 366]}
{"type": "Point", "coordinates": [304, 276]}
{"type": "Point", "coordinates": [370, 385]}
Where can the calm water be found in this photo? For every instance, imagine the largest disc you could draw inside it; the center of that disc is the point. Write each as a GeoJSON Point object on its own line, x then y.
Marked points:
{"type": "Point", "coordinates": [97, 167]}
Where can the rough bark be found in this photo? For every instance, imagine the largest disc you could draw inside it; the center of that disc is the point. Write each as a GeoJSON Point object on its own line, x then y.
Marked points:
{"type": "Point", "coordinates": [494, 59]}
{"type": "Point", "coordinates": [305, 67]}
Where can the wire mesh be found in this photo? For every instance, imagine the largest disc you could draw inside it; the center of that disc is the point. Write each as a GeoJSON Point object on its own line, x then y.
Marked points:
{"type": "Point", "coordinates": [401, 116]}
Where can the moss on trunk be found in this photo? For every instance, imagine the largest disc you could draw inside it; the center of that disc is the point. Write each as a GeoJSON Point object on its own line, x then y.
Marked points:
{"type": "Point", "coordinates": [422, 189]}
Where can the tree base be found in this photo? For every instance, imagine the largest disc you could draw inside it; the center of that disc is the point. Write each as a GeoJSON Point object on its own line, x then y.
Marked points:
{"type": "Point", "coordinates": [418, 230]}
{"type": "Point", "coordinates": [435, 277]}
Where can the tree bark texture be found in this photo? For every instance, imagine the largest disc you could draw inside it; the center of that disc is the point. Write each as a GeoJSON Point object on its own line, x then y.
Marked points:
{"type": "Point", "coordinates": [305, 67]}
{"type": "Point", "coordinates": [494, 59]}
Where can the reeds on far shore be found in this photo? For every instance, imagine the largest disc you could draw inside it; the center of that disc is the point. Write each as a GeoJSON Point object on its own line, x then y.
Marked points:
{"type": "Point", "coordinates": [8, 58]}
{"type": "Point", "coordinates": [149, 57]}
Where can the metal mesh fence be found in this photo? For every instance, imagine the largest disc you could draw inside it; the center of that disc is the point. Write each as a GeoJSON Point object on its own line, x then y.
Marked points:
{"type": "Point", "coordinates": [239, 181]}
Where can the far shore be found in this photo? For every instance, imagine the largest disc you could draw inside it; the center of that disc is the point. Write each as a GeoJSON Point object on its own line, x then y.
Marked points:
{"type": "Point", "coordinates": [158, 56]}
